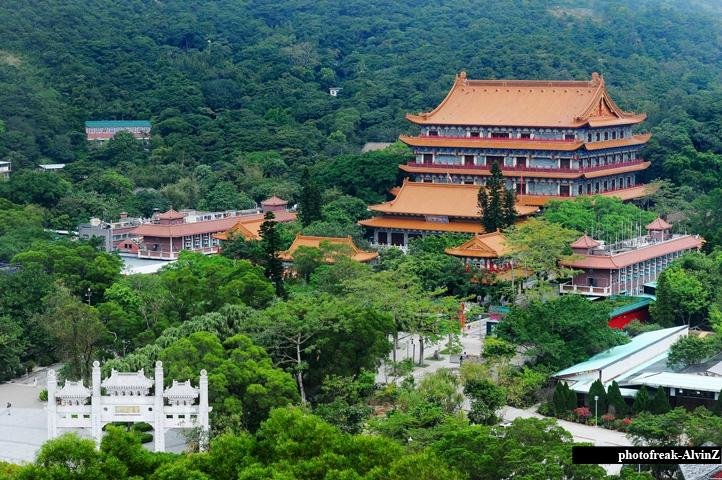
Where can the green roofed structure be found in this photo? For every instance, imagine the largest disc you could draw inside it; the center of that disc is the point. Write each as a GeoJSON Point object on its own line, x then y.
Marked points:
{"type": "Point", "coordinates": [643, 362]}
{"type": "Point", "coordinates": [103, 130]}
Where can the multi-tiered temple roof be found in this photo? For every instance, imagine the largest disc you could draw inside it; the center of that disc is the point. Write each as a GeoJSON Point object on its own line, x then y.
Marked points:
{"type": "Point", "coordinates": [528, 103]}
{"type": "Point", "coordinates": [551, 139]}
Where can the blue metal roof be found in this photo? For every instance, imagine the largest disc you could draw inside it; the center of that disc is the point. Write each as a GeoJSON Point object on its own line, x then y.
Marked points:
{"type": "Point", "coordinates": [117, 123]}
{"type": "Point", "coordinates": [619, 352]}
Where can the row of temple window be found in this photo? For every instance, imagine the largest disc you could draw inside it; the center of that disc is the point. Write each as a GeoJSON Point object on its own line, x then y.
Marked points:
{"type": "Point", "coordinates": [524, 162]}
{"type": "Point", "coordinates": [592, 136]}
{"type": "Point", "coordinates": [534, 187]}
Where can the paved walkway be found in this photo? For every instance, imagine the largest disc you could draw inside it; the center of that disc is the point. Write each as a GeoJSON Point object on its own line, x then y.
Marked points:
{"type": "Point", "coordinates": [472, 340]}
{"type": "Point", "coordinates": [581, 433]}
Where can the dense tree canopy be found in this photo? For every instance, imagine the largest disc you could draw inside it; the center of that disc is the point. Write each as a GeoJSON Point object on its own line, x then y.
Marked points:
{"type": "Point", "coordinates": [561, 332]}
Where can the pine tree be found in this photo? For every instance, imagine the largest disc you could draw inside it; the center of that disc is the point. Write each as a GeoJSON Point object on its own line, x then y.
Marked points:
{"type": "Point", "coordinates": [641, 401]}
{"type": "Point", "coordinates": [660, 402]}
{"type": "Point", "coordinates": [559, 398]}
{"type": "Point", "coordinates": [571, 398]}
{"type": "Point", "coordinates": [616, 401]}
{"type": "Point", "coordinates": [496, 203]}
{"type": "Point", "coordinates": [271, 243]}
{"type": "Point", "coordinates": [597, 389]}
{"type": "Point", "coordinates": [509, 208]}
{"type": "Point", "coordinates": [309, 201]}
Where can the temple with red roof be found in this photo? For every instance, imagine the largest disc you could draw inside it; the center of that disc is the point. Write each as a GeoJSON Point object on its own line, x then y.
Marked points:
{"type": "Point", "coordinates": [427, 208]}
{"type": "Point", "coordinates": [624, 267]}
{"type": "Point", "coordinates": [171, 232]}
{"type": "Point", "coordinates": [552, 139]}
{"type": "Point", "coordinates": [345, 246]}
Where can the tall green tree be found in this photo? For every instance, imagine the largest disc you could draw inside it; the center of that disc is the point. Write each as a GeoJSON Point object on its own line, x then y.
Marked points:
{"type": "Point", "coordinates": [600, 404]}
{"type": "Point", "coordinates": [309, 199]}
{"type": "Point", "coordinates": [495, 202]}
{"type": "Point", "coordinates": [76, 328]}
{"type": "Point", "coordinates": [560, 332]}
{"type": "Point", "coordinates": [660, 402]}
{"type": "Point", "coordinates": [615, 400]}
{"type": "Point", "coordinates": [642, 402]}
{"type": "Point", "coordinates": [271, 243]}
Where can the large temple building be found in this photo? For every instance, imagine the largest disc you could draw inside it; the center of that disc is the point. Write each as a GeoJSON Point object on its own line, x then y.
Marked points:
{"type": "Point", "coordinates": [428, 208]}
{"type": "Point", "coordinates": [552, 139]}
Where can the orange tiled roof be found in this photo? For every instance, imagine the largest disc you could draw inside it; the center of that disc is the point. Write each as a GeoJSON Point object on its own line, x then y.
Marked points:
{"type": "Point", "coordinates": [630, 257]}
{"type": "Point", "coordinates": [622, 194]}
{"type": "Point", "coordinates": [421, 224]}
{"type": "Point", "coordinates": [483, 171]}
{"type": "Point", "coordinates": [640, 139]}
{"type": "Point", "coordinates": [658, 224]}
{"type": "Point", "coordinates": [585, 241]}
{"type": "Point", "coordinates": [522, 144]}
{"type": "Point", "coordinates": [488, 245]}
{"type": "Point", "coordinates": [632, 192]}
{"type": "Point", "coordinates": [446, 199]}
{"type": "Point", "coordinates": [274, 201]}
{"type": "Point", "coordinates": [251, 222]}
{"type": "Point", "coordinates": [524, 173]}
{"type": "Point", "coordinates": [315, 242]}
{"type": "Point", "coordinates": [170, 215]}
{"type": "Point", "coordinates": [471, 142]}
{"type": "Point", "coordinates": [527, 103]}
{"type": "Point", "coordinates": [617, 170]}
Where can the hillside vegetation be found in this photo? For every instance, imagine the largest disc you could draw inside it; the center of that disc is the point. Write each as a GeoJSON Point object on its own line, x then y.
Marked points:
{"type": "Point", "coordinates": [238, 91]}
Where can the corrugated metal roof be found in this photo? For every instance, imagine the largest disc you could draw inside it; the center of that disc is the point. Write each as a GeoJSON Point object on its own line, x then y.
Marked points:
{"type": "Point", "coordinates": [687, 381]}
{"type": "Point", "coordinates": [617, 353]}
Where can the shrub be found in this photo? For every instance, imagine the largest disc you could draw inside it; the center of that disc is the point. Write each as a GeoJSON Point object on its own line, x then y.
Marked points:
{"type": "Point", "coordinates": [582, 414]}
{"type": "Point", "coordinates": [497, 347]}
{"type": "Point", "coordinates": [142, 427]}
{"type": "Point", "coordinates": [43, 396]}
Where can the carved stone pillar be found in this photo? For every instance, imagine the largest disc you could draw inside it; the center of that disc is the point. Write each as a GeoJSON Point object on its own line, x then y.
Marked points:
{"type": "Point", "coordinates": [159, 423]}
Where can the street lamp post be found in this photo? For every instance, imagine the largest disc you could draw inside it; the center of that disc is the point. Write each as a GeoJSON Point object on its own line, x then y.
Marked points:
{"type": "Point", "coordinates": [596, 419]}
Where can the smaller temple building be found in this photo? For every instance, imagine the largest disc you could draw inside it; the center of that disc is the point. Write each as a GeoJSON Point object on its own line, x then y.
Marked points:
{"type": "Point", "coordinates": [128, 398]}
{"type": "Point", "coordinates": [171, 232]}
{"type": "Point", "coordinates": [486, 252]}
{"type": "Point", "coordinates": [104, 130]}
{"type": "Point", "coordinates": [428, 208]}
{"type": "Point", "coordinates": [623, 268]}
{"type": "Point", "coordinates": [339, 245]}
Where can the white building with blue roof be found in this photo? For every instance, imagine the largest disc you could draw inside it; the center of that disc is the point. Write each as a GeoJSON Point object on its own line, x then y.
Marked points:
{"type": "Point", "coordinates": [643, 362]}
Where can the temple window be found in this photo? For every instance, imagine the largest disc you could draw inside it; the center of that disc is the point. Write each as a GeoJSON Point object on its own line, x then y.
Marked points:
{"type": "Point", "coordinates": [614, 135]}
{"type": "Point", "coordinates": [569, 136]}
{"type": "Point", "coordinates": [606, 135]}
{"type": "Point", "coordinates": [597, 136]}
{"type": "Point", "coordinates": [433, 133]}
{"type": "Point", "coordinates": [589, 137]}
{"type": "Point", "coordinates": [499, 134]}
{"type": "Point", "coordinates": [526, 136]}
{"type": "Point", "coordinates": [474, 134]}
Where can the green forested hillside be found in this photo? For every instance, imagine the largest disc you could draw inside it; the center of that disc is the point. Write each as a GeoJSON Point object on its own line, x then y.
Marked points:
{"type": "Point", "coordinates": [225, 80]}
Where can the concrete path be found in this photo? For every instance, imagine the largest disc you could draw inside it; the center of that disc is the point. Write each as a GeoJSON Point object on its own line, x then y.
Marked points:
{"type": "Point", "coordinates": [472, 339]}
{"type": "Point", "coordinates": [581, 433]}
